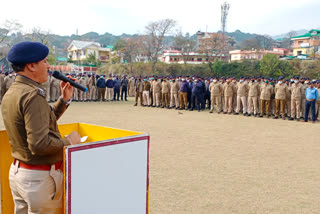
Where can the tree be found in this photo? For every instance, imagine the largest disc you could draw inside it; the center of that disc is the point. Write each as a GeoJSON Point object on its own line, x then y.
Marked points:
{"type": "Point", "coordinates": [156, 31]}
{"type": "Point", "coordinates": [131, 48]}
{"type": "Point", "coordinates": [40, 35]}
{"type": "Point", "coordinates": [250, 44]}
{"type": "Point", "coordinates": [185, 45]}
{"type": "Point", "coordinates": [92, 58]}
{"type": "Point", "coordinates": [265, 41]}
{"type": "Point", "coordinates": [271, 66]}
{"type": "Point", "coordinates": [52, 57]}
{"type": "Point", "coordinates": [212, 45]}
{"type": "Point", "coordinates": [7, 28]}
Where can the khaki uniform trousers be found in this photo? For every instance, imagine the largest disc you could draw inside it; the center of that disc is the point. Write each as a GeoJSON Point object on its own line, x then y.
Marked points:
{"type": "Point", "coordinates": [228, 104]}
{"type": "Point", "coordinates": [83, 95]}
{"type": "Point", "coordinates": [253, 105]}
{"type": "Point", "coordinates": [156, 98]}
{"type": "Point", "coordinates": [109, 94]}
{"type": "Point", "coordinates": [165, 99]}
{"type": "Point", "coordinates": [280, 106]}
{"type": "Point", "coordinates": [174, 100]}
{"type": "Point", "coordinates": [139, 95]}
{"type": "Point", "coordinates": [288, 107]}
{"type": "Point", "coordinates": [75, 94]}
{"type": "Point", "coordinates": [146, 98]}
{"type": "Point", "coordinates": [36, 191]}
{"type": "Point", "coordinates": [217, 100]}
{"type": "Point", "coordinates": [183, 100]}
{"type": "Point", "coordinates": [48, 93]}
{"type": "Point", "coordinates": [272, 105]}
{"type": "Point", "coordinates": [54, 93]}
{"type": "Point", "coordinates": [295, 108]}
{"type": "Point", "coordinates": [93, 93]}
{"type": "Point", "coordinates": [265, 107]}
{"type": "Point", "coordinates": [303, 106]}
{"type": "Point", "coordinates": [243, 101]}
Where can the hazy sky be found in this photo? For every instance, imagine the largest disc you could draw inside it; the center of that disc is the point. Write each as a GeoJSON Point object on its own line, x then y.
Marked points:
{"type": "Point", "coordinates": [130, 16]}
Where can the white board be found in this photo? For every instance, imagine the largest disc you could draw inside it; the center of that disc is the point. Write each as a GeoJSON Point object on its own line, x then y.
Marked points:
{"type": "Point", "coordinates": [108, 176]}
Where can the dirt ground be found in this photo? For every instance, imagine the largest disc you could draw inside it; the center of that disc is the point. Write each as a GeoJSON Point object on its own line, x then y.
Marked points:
{"type": "Point", "coordinates": [210, 164]}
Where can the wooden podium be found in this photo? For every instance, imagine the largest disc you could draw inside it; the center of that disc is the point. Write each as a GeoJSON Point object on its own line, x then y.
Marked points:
{"type": "Point", "coordinates": [107, 174]}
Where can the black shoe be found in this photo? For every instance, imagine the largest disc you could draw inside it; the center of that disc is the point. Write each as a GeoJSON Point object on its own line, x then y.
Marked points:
{"type": "Point", "coordinates": [290, 118]}
{"type": "Point", "coordinates": [126, 100]}
{"type": "Point", "coordinates": [275, 118]}
{"type": "Point", "coordinates": [191, 109]}
{"type": "Point", "coordinates": [249, 115]}
{"type": "Point", "coordinates": [268, 116]}
{"type": "Point", "coordinates": [244, 114]}
{"type": "Point", "coordinates": [135, 104]}
{"type": "Point", "coordinates": [210, 112]}
{"type": "Point", "coordinates": [260, 116]}
{"type": "Point", "coordinates": [236, 113]}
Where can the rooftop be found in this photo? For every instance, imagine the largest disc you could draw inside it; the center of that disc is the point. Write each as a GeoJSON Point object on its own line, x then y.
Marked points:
{"type": "Point", "coordinates": [311, 33]}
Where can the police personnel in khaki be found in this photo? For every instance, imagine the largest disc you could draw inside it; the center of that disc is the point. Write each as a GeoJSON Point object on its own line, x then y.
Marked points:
{"type": "Point", "coordinates": [281, 91]}
{"type": "Point", "coordinates": [156, 92]}
{"type": "Point", "coordinates": [296, 96]}
{"type": "Point", "coordinates": [36, 181]}
{"type": "Point", "coordinates": [7, 82]}
{"type": "Point", "coordinates": [266, 91]}
{"type": "Point", "coordinates": [242, 90]}
{"type": "Point", "coordinates": [228, 90]}
{"type": "Point", "coordinates": [174, 93]}
{"type": "Point", "coordinates": [254, 90]}
{"type": "Point", "coordinates": [216, 91]}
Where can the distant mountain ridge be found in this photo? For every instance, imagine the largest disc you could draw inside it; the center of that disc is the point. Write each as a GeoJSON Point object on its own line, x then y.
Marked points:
{"type": "Point", "coordinates": [62, 42]}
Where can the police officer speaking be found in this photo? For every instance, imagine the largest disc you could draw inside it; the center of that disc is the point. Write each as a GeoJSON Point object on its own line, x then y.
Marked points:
{"type": "Point", "coordinates": [31, 123]}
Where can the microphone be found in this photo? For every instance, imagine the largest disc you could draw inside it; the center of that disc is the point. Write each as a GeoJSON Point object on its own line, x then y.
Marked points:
{"type": "Point", "coordinates": [60, 76]}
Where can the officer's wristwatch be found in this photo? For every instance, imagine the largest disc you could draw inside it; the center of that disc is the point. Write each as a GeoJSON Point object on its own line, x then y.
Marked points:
{"type": "Point", "coordinates": [64, 102]}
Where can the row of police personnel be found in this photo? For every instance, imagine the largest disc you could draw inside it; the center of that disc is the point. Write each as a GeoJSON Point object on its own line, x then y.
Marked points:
{"type": "Point", "coordinates": [257, 96]}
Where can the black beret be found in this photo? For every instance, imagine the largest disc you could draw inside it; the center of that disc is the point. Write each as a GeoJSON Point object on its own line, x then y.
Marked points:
{"type": "Point", "coordinates": [27, 52]}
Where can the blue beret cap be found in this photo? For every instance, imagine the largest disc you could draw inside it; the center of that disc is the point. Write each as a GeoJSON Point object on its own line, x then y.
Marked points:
{"type": "Point", "coordinates": [27, 52]}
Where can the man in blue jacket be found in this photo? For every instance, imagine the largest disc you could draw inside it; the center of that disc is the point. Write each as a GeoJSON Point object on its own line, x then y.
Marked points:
{"type": "Point", "coordinates": [110, 85]}
{"type": "Point", "coordinates": [101, 85]}
{"type": "Point", "coordinates": [312, 95]}
{"type": "Point", "coordinates": [117, 84]}
{"type": "Point", "coordinates": [197, 94]}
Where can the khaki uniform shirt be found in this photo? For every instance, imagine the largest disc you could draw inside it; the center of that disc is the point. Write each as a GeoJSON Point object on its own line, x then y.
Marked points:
{"type": "Point", "coordinates": [32, 124]}
{"type": "Point", "coordinates": [281, 91]}
{"type": "Point", "coordinates": [54, 82]}
{"type": "Point", "coordinates": [229, 89]}
{"type": "Point", "coordinates": [254, 89]}
{"type": "Point", "coordinates": [165, 87]}
{"type": "Point", "coordinates": [7, 82]}
{"type": "Point", "coordinates": [266, 92]}
{"type": "Point", "coordinates": [131, 84]}
{"type": "Point", "coordinates": [146, 86]}
{"type": "Point", "coordinates": [156, 87]}
{"type": "Point", "coordinates": [296, 91]}
{"type": "Point", "coordinates": [304, 88]}
{"type": "Point", "coordinates": [175, 87]}
{"type": "Point", "coordinates": [216, 89]}
{"type": "Point", "coordinates": [242, 89]}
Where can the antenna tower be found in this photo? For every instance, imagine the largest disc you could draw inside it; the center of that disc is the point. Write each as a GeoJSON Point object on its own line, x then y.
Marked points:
{"type": "Point", "coordinates": [224, 14]}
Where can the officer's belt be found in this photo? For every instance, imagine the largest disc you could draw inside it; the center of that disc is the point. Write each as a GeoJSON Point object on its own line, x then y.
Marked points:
{"type": "Point", "coordinates": [37, 167]}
